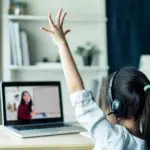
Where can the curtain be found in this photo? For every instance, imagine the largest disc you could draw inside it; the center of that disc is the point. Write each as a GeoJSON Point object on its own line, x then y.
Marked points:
{"type": "Point", "coordinates": [146, 27]}
{"type": "Point", "coordinates": [128, 30]}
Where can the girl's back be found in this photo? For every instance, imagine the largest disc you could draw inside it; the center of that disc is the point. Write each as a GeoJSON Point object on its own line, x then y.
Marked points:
{"type": "Point", "coordinates": [129, 95]}
{"type": "Point", "coordinates": [104, 134]}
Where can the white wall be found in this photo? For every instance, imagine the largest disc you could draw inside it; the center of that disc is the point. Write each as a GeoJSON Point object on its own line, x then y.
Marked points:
{"type": "Point", "coordinates": [0, 34]}
{"type": "Point", "coordinates": [0, 41]}
{"type": "Point", "coordinates": [0, 52]}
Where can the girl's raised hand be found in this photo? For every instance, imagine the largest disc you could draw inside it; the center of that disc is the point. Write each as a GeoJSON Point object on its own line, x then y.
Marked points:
{"type": "Point", "coordinates": [56, 28]}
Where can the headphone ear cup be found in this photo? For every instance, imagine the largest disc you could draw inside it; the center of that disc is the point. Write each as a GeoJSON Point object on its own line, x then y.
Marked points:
{"type": "Point", "coordinates": [119, 108]}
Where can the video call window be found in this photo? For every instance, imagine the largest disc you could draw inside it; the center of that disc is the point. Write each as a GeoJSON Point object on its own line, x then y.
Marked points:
{"type": "Point", "coordinates": [24, 103]}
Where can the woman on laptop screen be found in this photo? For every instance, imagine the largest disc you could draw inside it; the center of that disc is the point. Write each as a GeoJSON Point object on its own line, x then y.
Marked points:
{"type": "Point", "coordinates": [25, 109]}
{"type": "Point", "coordinates": [129, 95]}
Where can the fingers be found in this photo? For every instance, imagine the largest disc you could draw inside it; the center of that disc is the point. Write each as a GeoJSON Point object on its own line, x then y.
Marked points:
{"type": "Point", "coordinates": [58, 25]}
{"type": "Point", "coordinates": [58, 17]}
{"type": "Point", "coordinates": [45, 29]}
{"type": "Point", "coordinates": [51, 23]}
{"type": "Point", "coordinates": [63, 18]}
{"type": "Point", "coordinates": [66, 32]}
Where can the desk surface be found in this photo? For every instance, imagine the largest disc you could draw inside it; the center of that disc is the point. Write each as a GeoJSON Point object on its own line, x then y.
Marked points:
{"type": "Point", "coordinates": [60, 142]}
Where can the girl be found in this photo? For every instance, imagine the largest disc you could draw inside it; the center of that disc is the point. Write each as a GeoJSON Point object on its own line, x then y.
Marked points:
{"type": "Point", "coordinates": [25, 109]}
{"type": "Point", "coordinates": [129, 92]}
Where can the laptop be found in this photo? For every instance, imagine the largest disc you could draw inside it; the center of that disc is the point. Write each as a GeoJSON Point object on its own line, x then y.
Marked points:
{"type": "Point", "coordinates": [31, 109]}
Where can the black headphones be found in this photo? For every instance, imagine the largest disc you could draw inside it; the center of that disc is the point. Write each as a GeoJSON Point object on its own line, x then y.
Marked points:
{"type": "Point", "coordinates": [118, 106]}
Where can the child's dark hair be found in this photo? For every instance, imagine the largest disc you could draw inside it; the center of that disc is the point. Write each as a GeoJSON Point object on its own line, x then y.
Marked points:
{"type": "Point", "coordinates": [23, 102]}
{"type": "Point", "coordinates": [129, 84]}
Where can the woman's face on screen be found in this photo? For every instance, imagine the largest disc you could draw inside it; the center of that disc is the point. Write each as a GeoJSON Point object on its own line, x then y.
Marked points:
{"type": "Point", "coordinates": [26, 97]}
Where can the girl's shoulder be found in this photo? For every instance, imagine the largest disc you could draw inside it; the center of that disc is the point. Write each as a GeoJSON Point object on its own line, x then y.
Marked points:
{"type": "Point", "coordinates": [121, 138]}
{"type": "Point", "coordinates": [131, 140]}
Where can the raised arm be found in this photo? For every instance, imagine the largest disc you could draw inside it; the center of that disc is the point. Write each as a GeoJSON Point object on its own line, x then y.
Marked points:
{"type": "Point", "coordinates": [88, 114]}
{"type": "Point", "coordinates": [73, 78]}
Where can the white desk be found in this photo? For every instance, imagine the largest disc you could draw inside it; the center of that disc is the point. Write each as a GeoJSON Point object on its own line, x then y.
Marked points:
{"type": "Point", "coordinates": [61, 142]}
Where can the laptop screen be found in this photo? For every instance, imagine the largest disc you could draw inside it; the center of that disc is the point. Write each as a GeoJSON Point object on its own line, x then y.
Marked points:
{"type": "Point", "coordinates": [32, 102]}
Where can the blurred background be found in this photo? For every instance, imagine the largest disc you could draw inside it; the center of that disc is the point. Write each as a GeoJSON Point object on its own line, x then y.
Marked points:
{"type": "Point", "coordinates": [106, 35]}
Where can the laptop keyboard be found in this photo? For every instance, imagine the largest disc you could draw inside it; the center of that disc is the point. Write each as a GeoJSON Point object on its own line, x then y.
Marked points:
{"type": "Point", "coordinates": [30, 127]}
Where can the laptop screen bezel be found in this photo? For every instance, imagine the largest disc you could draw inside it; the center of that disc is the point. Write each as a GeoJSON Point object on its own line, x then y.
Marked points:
{"type": "Point", "coordinates": [31, 121]}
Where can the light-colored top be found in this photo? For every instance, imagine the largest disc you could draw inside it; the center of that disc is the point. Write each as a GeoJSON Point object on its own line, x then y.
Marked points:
{"type": "Point", "coordinates": [60, 142]}
{"type": "Point", "coordinates": [104, 135]}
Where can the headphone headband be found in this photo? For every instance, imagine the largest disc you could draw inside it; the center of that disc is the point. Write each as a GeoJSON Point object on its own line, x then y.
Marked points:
{"type": "Point", "coordinates": [118, 106]}
{"type": "Point", "coordinates": [110, 86]}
